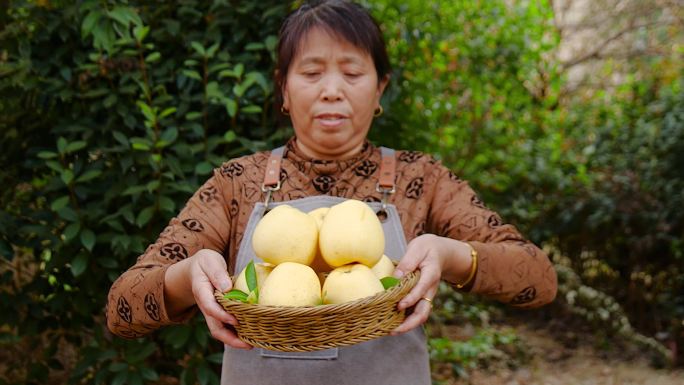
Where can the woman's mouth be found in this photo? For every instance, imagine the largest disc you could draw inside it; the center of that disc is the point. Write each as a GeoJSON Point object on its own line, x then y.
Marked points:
{"type": "Point", "coordinates": [330, 120]}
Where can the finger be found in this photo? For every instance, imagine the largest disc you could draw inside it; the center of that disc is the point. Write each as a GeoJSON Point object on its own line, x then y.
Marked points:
{"type": "Point", "coordinates": [204, 296]}
{"type": "Point", "coordinates": [417, 318]}
{"type": "Point", "coordinates": [220, 332]}
{"type": "Point", "coordinates": [214, 267]}
{"type": "Point", "coordinates": [410, 261]}
{"type": "Point", "coordinates": [427, 283]}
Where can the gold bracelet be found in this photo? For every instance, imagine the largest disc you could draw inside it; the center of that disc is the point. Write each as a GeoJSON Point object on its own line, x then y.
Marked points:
{"type": "Point", "coordinates": [473, 268]}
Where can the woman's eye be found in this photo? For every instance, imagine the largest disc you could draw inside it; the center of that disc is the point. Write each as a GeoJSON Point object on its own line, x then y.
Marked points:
{"type": "Point", "coordinates": [352, 75]}
{"type": "Point", "coordinates": [311, 74]}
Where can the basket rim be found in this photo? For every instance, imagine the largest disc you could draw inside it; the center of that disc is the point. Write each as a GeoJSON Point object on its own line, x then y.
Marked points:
{"type": "Point", "coordinates": [406, 283]}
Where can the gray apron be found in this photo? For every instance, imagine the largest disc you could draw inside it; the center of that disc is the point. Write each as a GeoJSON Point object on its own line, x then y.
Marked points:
{"type": "Point", "coordinates": [390, 360]}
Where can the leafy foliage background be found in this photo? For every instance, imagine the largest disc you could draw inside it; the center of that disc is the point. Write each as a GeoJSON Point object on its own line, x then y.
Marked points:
{"type": "Point", "coordinates": [112, 113]}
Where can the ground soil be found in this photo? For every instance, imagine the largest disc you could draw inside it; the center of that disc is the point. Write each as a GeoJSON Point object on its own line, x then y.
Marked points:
{"type": "Point", "coordinates": [554, 360]}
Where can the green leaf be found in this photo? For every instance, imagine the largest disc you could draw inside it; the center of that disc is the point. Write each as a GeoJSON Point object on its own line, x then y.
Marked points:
{"type": "Point", "coordinates": [253, 297]}
{"type": "Point", "coordinates": [59, 203]}
{"type": "Point", "coordinates": [140, 354]}
{"type": "Point", "coordinates": [79, 264]}
{"type": "Point", "coordinates": [118, 367]}
{"type": "Point", "coordinates": [120, 378]}
{"type": "Point", "coordinates": [88, 175]}
{"type": "Point", "coordinates": [211, 51]}
{"type": "Point", "coordinates": [192, 74]}
{"type": "Point", "coordinates": [141, 146]}
{"type": "Point", "coordinates": [61, 144]}
{"type": "Point", "coordinates": [203, 374]}
{"type": "Point", "coordinates": [231, 107]}
{"type": "Point", "coordinates": [67, 177]}
{"type": "Point", "coordinates": [239, 69]}
{"type": "Point", "coordinates": [54, 166]}
{"type": "Point", "coordinates": [153, 57]}
{"type": "Point", "coordinates": [170, 135]}
{"type": "Point", "coordinates": [144, 216]}
{"type": "Point", "coordinates": [271, 42]}
{"type": "Point", "coordinates": [71, 231]}
{"type": "Point", "coordinates": [239, 89]}
{"type": "Point", "coordinates": [125, 16]}
{"type": "Point", "coordinates": [227, 74]}
{"type": "Point", "coordinates": [134, 190]}
{"type": "Point", "coordinates": [89, 22]}
{"type": "Point", "coordinates": [167, 204]}
{"type": "Point", "coordinates": [258, 77]}
{"type": "Point", "coordinates": [149, 374]}
{"type": "Point", "coordinates": [203, 168]}
{"type": "Point", "coordinates": [254, 46]}
{"type": "Point", "coordinates": [236, 295]}
{"type": "Point", "coordinates": [47, 155]}
{"type": "Point", "coordinates": [198, 48]}
{"type": "Point", "coordinates": [251, 276]}
{"type": "Point", "coordinates": [229, 136]}
{"type": "Point", "coordinates": [167, 112]}
{"type": "Point", "coordinates": [252, 109]}
{"type": "Point", "coordinates": [121, 138]}
{"type": "Point", "coordinates": [194, 115]}
{"type": "Point", "coordinates": [140, 32]}
{"type": "Point", "coordinates": [88, 239]}
{"type": "Point", "coordinates": [146, 110]}
{"type": "Point", "coordinates": [388, 282]}
{"type": "Point", "coordinates": [153, 185]}
{"type": "Point", "coordinates": [75, 146]}
{"type": "Point", "coordinates": [215, 358]}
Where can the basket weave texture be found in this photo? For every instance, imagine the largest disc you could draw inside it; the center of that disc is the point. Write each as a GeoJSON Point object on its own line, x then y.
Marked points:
{"type": "Point", "coordinates": [310, 328]}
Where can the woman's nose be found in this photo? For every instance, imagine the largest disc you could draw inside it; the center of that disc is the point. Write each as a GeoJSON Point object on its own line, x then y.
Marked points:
{"type": "Point", "coordinates": [332, 88]}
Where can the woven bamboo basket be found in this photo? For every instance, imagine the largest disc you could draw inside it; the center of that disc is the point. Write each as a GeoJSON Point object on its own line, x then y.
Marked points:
{"type": "Point", "coordinates": [310, 328]}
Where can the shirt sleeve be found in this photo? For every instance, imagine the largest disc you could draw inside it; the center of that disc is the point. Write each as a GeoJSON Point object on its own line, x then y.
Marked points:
{"type": "Point", "coordinates": [510, 268]}
{"type": "Point", "coordinates": [135, 304]}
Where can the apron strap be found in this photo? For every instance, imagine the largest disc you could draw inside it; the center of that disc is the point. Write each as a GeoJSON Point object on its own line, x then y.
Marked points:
{"type": "Point", "coordinates": [385, 183]}
{"type": "Point", "coordinates": [272, 175]}
{"type": "Point", "coordinates": [388, 167]}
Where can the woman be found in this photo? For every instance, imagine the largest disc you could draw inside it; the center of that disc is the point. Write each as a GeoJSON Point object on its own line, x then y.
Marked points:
{"type": "Point", "coordinates": [332, 70]}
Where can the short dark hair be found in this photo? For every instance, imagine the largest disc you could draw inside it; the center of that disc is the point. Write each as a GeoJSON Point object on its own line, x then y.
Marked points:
{"type": "Point", "coordinates": [341, 18]}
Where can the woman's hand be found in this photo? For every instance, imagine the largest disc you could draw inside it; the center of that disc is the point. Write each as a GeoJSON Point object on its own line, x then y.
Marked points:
{"type": "Point", "coordinates": [202, 273]}
{"type": "Point", "coordinates": [436, 257]}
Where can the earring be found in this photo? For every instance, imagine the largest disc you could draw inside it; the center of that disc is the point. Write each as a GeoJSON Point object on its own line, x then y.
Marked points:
{"type": "Point", "coordinates": [284, 111]}
{"type": "Point", "coordinates": [378, 111]}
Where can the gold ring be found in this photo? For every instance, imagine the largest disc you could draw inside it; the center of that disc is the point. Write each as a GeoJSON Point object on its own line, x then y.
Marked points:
{"type": "Point", "coordinates": [427, 299]}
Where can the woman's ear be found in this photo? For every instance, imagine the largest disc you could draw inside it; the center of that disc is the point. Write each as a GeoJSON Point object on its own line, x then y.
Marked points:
{"type": "Point", "coordinates": [280, 83]}
{"type": "Point", "coordinates": [382, 84]}
{"type": "Point", "coordinates": [285, 96]}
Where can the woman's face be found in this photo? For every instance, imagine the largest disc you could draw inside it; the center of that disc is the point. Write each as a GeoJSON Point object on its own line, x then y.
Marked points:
{"type": "Point", "coordinates": [331, 90]}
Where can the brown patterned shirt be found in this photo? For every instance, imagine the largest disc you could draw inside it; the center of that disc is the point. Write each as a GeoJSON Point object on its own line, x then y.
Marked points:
{"type": "Point", "coordinates": [428, 197]}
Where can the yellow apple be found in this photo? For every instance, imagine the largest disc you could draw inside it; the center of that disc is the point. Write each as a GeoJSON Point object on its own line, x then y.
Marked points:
{"type": "Point", "coordinates": [291, 284]}
{"type": "Point", "coordinates": [318, 214]}
{"type": "Point", "coordinates": [384, 267]}
{"type": "Point", "coordinates": [318, 263]}
{"type": "Point", "coordinates": [262, 271]}
{"type": "Point", "coordinates": [286, 234]}
{"type": "Point", "coordinates": [350, 282]}
{"type": "Point", "coordinates": [351, 233]}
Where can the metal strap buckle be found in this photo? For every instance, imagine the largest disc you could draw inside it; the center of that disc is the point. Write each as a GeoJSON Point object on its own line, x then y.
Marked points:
{"type": "Point", "coordinates": [268, 190]}
{"type": "Point", "coordinates": [382, 214]}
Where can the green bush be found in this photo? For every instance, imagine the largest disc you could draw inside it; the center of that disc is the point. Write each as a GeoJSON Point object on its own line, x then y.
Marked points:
{"type": "Point", "coordinates": [112, 115]}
